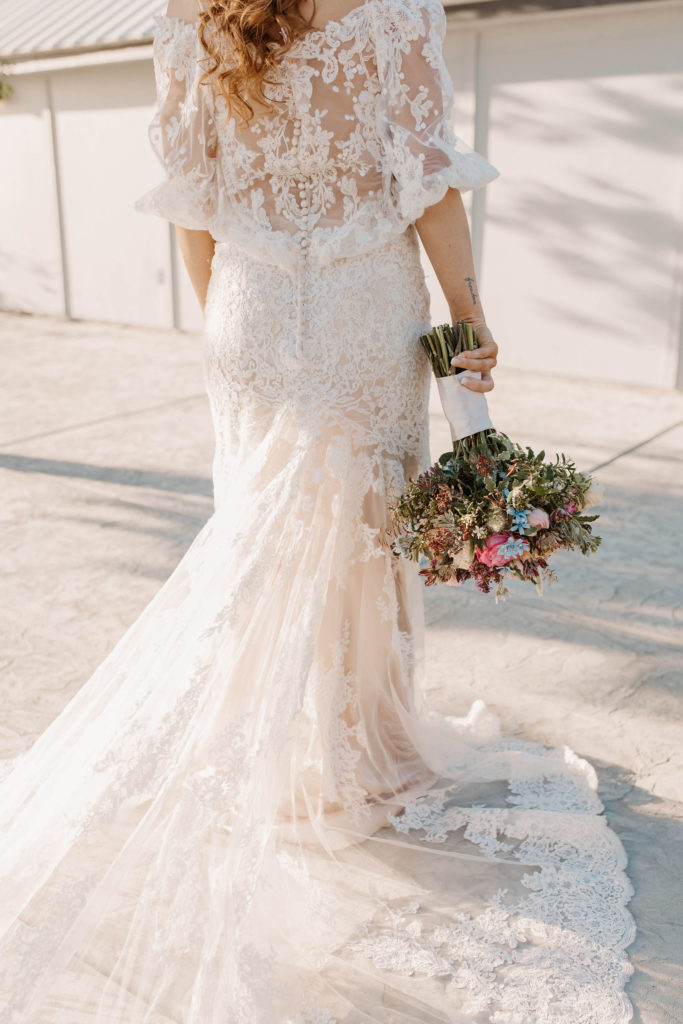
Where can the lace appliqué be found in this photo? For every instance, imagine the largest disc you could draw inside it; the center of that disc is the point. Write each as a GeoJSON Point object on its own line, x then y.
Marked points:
{"type": "Point", "coordinates": [359, 143]}
{"type": "Point", "coordinates": [572, 923]}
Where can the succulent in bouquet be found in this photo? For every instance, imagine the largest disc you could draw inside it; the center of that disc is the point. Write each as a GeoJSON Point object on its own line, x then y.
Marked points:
{"type": "Point", "coordinates": [489, 508]}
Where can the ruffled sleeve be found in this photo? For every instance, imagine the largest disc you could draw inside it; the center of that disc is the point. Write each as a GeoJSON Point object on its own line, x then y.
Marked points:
{"type": "Point", "coordinates": [424, 156]}
{"type": "Point", "coordinates": [183, 131]}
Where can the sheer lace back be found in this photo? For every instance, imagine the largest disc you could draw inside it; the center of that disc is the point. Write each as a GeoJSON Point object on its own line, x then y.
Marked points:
{"type": "Point", "coordinates": [360, 140]}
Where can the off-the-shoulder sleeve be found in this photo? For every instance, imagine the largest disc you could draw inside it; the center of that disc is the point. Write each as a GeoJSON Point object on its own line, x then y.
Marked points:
{"type": "Point", "coordinates": [415, 108]}
{"type": "Point", "coordinates": [183, 131]}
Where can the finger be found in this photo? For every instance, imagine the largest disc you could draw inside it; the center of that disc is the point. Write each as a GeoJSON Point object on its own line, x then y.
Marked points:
{"type": "Point", "coordinates": [485, 365]}
{"type": "Point", "coordinates": [489, 349]}
{"type": "Point", "coordinates": [485, 384]}
{"type": "Point", "coordinates": [477, 361]}
{"type": "Point", "coordinates": [484, 352]}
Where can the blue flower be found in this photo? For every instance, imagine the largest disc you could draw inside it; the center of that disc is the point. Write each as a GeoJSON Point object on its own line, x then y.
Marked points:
{"type": "Point", "coordinates": [519, 519]}
{"type": "Point", "coordinates": [513, 547]}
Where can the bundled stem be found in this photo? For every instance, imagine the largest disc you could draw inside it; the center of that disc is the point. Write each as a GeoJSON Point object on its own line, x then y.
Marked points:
{"type": "Point", "coordinates": [441, 344]}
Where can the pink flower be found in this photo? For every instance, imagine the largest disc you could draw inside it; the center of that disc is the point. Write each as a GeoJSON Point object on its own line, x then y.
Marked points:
{"type": "Point", "coordinates": [501, 548]}
{"type": "Point", "coordinates": [538, 518]}
{"type": "Point", "coordinates": [570, 508]}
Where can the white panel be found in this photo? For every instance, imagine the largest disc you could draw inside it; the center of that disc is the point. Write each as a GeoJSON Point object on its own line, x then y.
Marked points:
{"type": "Point", "coordinates": [459, 51]}
{"type": "Point", "coordinates": [30, 263]}
{"type": "Point", "coordinates": [119, 260]}
{"type": "Point", "coordinates": [583, 227]}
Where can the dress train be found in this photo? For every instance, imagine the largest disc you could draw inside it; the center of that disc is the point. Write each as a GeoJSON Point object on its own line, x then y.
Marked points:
{"type": "Point", "coordinates": [249, 815]}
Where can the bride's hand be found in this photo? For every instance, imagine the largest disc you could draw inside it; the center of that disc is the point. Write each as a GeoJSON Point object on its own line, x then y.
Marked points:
{"type": "Point", "coordinates": [482, 359]}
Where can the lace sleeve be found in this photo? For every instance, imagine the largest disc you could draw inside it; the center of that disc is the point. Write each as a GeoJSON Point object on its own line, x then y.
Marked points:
{"type": "Point", "coordinates": [182, 132]}
{"type": "Point", "coordinates": [424, 155]}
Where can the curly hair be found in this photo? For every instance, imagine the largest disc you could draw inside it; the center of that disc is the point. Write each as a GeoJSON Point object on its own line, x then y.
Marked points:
{"type": "Point", "coordinates": [245, 41]}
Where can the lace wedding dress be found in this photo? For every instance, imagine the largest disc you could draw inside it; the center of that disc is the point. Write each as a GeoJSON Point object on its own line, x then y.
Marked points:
{"type": "Point", "coordinates": [248, 815]}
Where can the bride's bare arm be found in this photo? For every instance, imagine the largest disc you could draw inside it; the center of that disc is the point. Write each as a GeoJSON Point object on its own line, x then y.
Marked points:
{"type": "Point", "coordinates": [445, 235]}
{"type": "Point", "coordinates": [197, 248]}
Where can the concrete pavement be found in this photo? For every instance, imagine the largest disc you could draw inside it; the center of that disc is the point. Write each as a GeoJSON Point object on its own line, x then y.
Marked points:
{"type": "Point", "coordinates": [105, 460]}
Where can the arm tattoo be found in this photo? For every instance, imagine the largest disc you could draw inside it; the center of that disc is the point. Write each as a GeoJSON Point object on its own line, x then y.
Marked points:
{"type": "Point", "coordinates": [470, 282]}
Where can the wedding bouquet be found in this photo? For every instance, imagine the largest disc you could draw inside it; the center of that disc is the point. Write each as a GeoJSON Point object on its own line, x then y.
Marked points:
{"type": "Point", "coordinates": [489, 508]}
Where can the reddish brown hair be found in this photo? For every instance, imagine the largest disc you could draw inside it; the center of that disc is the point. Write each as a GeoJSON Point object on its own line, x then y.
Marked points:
{"type": "Point", "coordinates": [245, 41]}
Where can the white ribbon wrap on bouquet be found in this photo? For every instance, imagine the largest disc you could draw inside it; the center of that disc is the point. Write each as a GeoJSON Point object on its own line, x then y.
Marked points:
{"type": "Point", "coordinates": [466, 411]}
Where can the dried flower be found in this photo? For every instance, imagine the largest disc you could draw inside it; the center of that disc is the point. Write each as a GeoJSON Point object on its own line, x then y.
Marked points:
{"type": "Point", "coordinates": [443, 498]}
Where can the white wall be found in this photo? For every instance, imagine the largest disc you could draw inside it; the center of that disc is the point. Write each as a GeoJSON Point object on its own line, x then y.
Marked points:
{"type": "Point", "coordinates": [460, 52]}
{"type": "Point", "coordinates": [30, 263]}
{"type": "Point", "coordinates": [119, 261]}
{"type": "Point", "coordinates": [577, 244]}
{"type": "Point", "coordinates": [582, 244]}
{"type": "Point", "coordinates": [80, 133]}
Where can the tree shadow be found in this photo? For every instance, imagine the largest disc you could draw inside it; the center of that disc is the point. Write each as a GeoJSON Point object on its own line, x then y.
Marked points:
{"type": "Point", "coordinates": [157, 480]}
{"type": "Point", "coordinates": [170, 527]}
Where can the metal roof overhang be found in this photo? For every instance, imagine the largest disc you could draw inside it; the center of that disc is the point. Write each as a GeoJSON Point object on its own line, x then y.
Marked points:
{"type": "Point", "coordinates": [31, 28]}
{"type": "Point", "coordinates": [32, 31]}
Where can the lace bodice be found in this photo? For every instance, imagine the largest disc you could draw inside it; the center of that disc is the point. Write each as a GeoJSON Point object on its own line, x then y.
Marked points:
{"type": "Point", "coordinates": [360, 141]}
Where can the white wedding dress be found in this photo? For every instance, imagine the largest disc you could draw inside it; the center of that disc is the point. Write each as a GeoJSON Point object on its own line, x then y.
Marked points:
{"type": "Point", "coordinates": [248, 815]}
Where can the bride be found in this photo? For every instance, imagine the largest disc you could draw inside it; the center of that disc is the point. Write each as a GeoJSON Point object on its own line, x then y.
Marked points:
{"type": "Point", "coordinates": [248, 815]}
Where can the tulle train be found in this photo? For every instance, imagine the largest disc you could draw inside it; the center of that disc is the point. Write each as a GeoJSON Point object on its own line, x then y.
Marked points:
{"type": "Point", "coordinates": [249, 815]}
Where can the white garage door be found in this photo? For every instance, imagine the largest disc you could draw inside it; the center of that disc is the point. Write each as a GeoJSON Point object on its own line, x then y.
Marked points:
{"type": "Point", "coordinates": [580, 251]}
{"type": "Point", "coordinates": [119, 266]}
